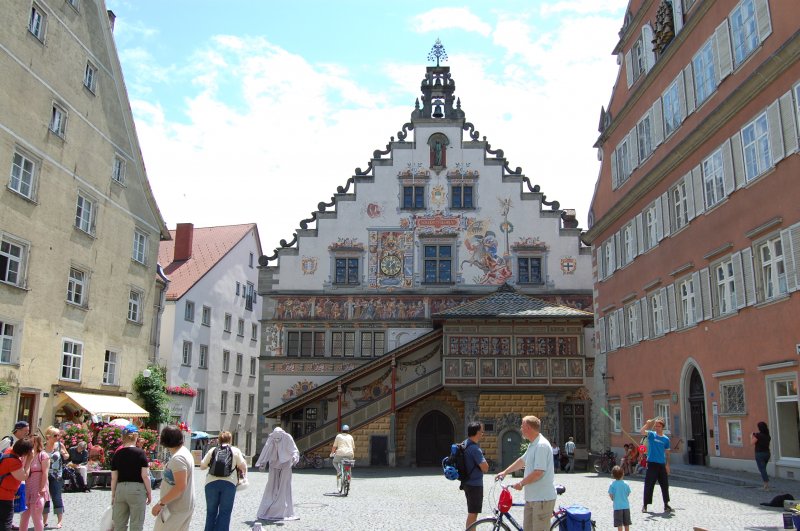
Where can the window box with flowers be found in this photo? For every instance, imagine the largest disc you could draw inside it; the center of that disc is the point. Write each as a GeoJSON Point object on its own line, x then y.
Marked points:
{"type": "Point", "coordinates": [184, 389]}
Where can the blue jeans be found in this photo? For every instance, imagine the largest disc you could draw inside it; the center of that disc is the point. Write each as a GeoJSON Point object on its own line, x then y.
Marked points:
{"type": "Point", "coordinates": [762, 458]}
{"type": "Point", "coordinates": [219, 504]}
{"type": "Point", "coordinates": [56, 486]}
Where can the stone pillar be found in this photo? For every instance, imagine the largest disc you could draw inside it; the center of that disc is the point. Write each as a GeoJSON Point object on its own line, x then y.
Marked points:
{"type": "Point", "coordinates": [550, 422]}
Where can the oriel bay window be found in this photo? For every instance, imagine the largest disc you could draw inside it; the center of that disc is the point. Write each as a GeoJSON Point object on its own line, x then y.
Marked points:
{"type": "Point", "coordinates": [438, 263]}
{"type": "Point", "coordinates": [305, 343]}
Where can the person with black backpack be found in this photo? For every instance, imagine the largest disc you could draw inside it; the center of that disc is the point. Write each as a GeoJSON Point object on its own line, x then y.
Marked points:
{"type": "Point", "coordinates": [476, 466]}
{"type": "Point", "coordinates": [225, 465]}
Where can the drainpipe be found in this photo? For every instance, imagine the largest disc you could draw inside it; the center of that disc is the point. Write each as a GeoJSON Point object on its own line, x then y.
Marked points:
{"type": "Point", "coordinates": [339, 407]}
{"type": "Point", "coordinates": [392, 446]}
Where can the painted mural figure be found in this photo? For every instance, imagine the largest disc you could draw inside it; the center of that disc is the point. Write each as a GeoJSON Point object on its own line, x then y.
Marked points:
{"type": "Point", "coordinates": [281, 453]}
{"type": "Point", "coordinates": [483, 255]}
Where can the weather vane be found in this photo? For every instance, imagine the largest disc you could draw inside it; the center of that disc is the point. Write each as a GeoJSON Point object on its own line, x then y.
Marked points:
{"type": "Point", "coordinates": [437, 52]}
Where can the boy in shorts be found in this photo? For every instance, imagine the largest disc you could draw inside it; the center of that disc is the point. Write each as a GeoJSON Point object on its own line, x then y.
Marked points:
{"type": "Point", "coordinates": [619, 491]}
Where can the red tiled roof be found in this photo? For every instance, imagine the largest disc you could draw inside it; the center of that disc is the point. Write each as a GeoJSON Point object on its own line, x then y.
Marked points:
{"type": "Point", "coordinates": [209, 246]}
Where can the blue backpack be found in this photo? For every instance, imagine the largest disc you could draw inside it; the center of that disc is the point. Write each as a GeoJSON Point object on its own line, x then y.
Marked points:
{"type": "Point", "coordinates": [578, 518]}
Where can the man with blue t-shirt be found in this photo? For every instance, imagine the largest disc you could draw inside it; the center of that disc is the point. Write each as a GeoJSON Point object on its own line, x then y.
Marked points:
{"type": "Point", "coordinates": [657, 462]}
{"type": "Point", "coordinates": [540, 493]}
{"type": "Point", "coordinates": [476, 466]}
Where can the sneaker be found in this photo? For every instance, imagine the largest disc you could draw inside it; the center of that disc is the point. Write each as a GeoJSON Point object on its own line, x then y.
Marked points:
{"type": "Point", "coordinates": [668, 509]}
{"type": "Point", "coordinates": [644, 508]}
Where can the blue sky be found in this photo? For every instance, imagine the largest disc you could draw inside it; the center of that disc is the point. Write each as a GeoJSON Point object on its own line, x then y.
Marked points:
{"type": "Point", "coordinates": [254, 111]}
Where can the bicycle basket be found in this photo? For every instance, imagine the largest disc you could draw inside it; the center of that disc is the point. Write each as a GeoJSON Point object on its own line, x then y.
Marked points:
{"type": "Point", "coordinates": [349, 462]}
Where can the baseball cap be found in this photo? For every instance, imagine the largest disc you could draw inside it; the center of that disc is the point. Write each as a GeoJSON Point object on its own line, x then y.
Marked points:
{"type": "Point", "coordinates": [21, 424]}
{"type": "Point", "coordinates": [345, 428]}
{"type": "Point", "coordinates": [130, 428]}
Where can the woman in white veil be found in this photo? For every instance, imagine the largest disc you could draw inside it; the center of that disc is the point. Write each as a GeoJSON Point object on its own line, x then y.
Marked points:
{"type": "Point", "coordinates": [281, 453]}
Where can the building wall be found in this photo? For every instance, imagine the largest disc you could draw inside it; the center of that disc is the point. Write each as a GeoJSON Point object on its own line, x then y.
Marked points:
{"type": "Point", "coordinates": [99, 126]}
{"type": "Point", "coordinates": [217, 290]}
{"type": "Point", "coordinates": [735, 350]}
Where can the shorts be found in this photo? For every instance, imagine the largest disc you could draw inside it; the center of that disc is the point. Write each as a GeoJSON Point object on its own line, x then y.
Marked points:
{"type": "Point", "coordinates": [622, 517]}
{"type": "Point", "coordinates": [474, 496]}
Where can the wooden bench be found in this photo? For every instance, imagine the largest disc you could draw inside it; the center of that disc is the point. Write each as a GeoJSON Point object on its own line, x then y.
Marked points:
{"type": "Point", "coordinates": [96, 477]}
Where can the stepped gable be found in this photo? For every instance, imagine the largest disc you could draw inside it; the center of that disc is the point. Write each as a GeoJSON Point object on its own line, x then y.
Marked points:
{"type": "Point", "coordinates": [506, 303]}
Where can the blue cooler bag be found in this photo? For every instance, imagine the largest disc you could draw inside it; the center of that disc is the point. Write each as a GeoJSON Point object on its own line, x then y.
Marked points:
{"type": "Point", "coordinates": [578, 518]}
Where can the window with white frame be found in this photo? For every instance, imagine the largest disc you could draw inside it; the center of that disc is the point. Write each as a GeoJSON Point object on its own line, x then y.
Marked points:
{"type": "Point", "coordinates": [346, 271]}
{"type": "Point", "coordinates": [438, 263]}
{"type": "Point", "coordinates": [305, 343]}
{"type": "Point", "coordinates": [203, 361]}
{"type": "Point", "coordinates": [251, 404]}
{"type": "Point", "coordinates": [118, 169]}
{"type": "Point", "coordinates": [237, 403]}
{"type": "Point", "coordinates": [705, 80]}
{"type": "Point", "coordinates": [786, 414]}
{"type": "Point", "coordinates": [713, 179]}
{"type": "Point", "coordinates": [662, 410]}
{"type": "Point", "coordinates": [205, 317]}
{"type": "Point", "coordinates": [250, 261]}
{"type": "Point", "coordinates": [639, 61]}
{"type": "Point", "coordinates": [773, 270]}
{"type": "Point", "coordinates": [200, 401]}
{"type": "Point", "coordinates": [734, 432]}
{"type": "Point", "coordinates": [139, 247]}
{"type": "Point", "coordinates": [413, 197]}
{"type": "Point", "coordinates": [240, 328]}
{"type": "Point", "coordinates": [613, 335]}
{"type": "Point", "coordinates": [110, 368]}
{"type": "Point", "coordinates": [85, 213]}
{"type": "Point", "coordinates": [725, 287]}
{"type": "Point", "coordinates": [609, 257]}
{"type": "Point", "coordinates": [239, 363]}
{"type": "Point", "coordinates": [227, 322]}
{"type": "Point", "coordinates": [529, 270]}
{"type": "Point", "coordinates": [223, 402]}
{"type": "Point", "coordinates": [13, 254]}
{"type": "Point", "coordinates": [636, 417]}
{"type": "Point", "coordinates": [135, 306]}
{"type": "Point", "coordinates": [226, 361]}
{"type": "Point", "coordinates": [250, 296]}
{"type": "Point", "coordinates": [186, 358]}
{"type": "Point", "coordinates": [253, 331]}
{"type": "Point", "coordinates": [616, 414]}
{"type": "Point", "coordinates": [680, 204]}
{"type": "Point", "coordinates": [657, 313]}
{"type": "Point", "coordinates": [71, 360]}
{"type": "Point", "coordinates": [343, 343]}
{"type": "Point", "coordinates": [6, 341]}
{"type": "Point", "coordinates": [633, 323]}
{"type": "Point", "coordinates": [731, 395]}
{"type": "Point", "coordinates": [461, 196]}
{"type": "Point", "coordinates": [238, 288]}
{"type": "Point", "coordinates": [373, 344]}
{"type": "Point", "coordinates": [37, 22]}
{"type": "Point", "coordinates": [651, 227]}
{"type": "Point", "coordinates": [755, 144]}
{"type": "Point", "coordinates": [188, 311]}
{"type": "Point", "coordinates": [90, 77]}
{"type": "Point", "coordinates": [688, 303]}
{"type": "Point", "coordinates": [23, 175]}
{"type": "Point", "coordinates": [623, 155]}
{"type": "Point", "coordinates": [644, 136]}
{"type": "Point", "coordinates": [672, 108]}
{"type": "Point", "coordinates": [76, 286]}
{"type": "Point", "coordinates": [743, 30]}
{"type": "Point", "coordinates": [628, 243]}
{"type": "Point", "coordinates": [58, 120]}
{"type": "Point", "coordinates": [253, 366]}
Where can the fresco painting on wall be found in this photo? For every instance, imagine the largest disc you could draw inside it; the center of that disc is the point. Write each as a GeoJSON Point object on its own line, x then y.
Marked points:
{"type": "Point", "coordinates": [309, 265]}
{"type": "Point", "coordinates": [391, 259]}
{"type": "Point", "coordinates": [481, 246]}
{"type": "Point", "coordinates": [523, 368]}
{"type": "Point", "coordinates": [468, 368]}
{"type": "Point", "coordinates": [300, 387]}
{"type": "Point", "coordinates": [451, 368]}
{"type": "Point", "coordinates": [479, 346]}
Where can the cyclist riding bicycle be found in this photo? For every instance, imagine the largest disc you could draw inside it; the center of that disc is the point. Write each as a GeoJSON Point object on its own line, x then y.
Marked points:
{"type": "Point", "coordinates": [343, 448]}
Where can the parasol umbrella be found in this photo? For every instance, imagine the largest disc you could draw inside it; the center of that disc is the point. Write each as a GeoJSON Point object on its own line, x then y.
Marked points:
{"type": "Point", "coordinates": [120, 422]}
{"type": "Point", "coordinates": [196, 435]}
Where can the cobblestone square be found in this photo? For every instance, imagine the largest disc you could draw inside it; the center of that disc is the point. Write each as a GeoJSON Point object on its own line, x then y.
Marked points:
{"type": "Point", "coordinates": [422, 499]}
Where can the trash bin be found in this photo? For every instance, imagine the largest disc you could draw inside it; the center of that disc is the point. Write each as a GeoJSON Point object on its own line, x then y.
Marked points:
{"type": "Point", "coordinates": [690, 447]}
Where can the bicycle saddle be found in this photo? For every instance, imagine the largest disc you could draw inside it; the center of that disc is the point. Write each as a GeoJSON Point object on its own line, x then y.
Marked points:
{"type": "Point", "coordinates": [560, 489]}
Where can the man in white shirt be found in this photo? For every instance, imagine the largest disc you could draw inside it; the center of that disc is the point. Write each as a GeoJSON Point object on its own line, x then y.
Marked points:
{"type": "Point", "coordinates": [570, 449]}
{"type": "Point", "coordinates": [343, 448]}
{"type": "Point", "coordinates": [540, 493]}
{"type": "Point", "coordinates": [21, 430]}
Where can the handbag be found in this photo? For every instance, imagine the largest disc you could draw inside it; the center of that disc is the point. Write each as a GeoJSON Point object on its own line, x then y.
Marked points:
{"type": "Point", "coordinates": [19, 499]}
{"type": "Point", "coordinates": [106, 521]}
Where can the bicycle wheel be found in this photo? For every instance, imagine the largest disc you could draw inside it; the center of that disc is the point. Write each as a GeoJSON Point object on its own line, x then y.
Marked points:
{"type": "Point", "coordinates": [556, 525]}
{"type": "Point", "coordinates": [346, 485]}
{"type": "Point", "coordinates": [490, 523]}
{"type": "Point", "coordinates": [318, 462]}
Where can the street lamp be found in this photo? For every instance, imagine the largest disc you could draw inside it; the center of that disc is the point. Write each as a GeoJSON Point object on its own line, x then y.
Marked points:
{"type": "Point", "coordinates": [146, 373]}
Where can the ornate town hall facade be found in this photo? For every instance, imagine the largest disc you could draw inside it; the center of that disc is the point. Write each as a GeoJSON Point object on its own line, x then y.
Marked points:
{"type": "Point", "coordinates": [438, 286]}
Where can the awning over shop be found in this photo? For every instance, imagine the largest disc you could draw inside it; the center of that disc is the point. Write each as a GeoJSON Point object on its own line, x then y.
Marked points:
{"type": "Point", "coordinates": [107, 405]}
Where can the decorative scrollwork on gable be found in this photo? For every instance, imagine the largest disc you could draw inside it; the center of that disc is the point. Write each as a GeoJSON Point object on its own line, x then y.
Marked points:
{"type": "Point", "coordinates": [408, 126]}
{"type": "Point", "coordinates": [473, 134]}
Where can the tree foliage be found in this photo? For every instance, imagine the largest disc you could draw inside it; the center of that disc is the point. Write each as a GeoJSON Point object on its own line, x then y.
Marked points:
{"type": "Point", "coordinates": [152, 392]}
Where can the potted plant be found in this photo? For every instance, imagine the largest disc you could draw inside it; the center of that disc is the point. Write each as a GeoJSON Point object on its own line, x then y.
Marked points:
{"type": "Point", "coordinates": [156, 468]}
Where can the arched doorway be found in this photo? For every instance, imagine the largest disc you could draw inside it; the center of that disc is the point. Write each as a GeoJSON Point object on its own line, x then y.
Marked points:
{"type": "Point", "coordinates": [434, 437]}
{"type": "Point", "coordinates": [510, 448]}
{"type": "Point", "coordinates": [698, 443]}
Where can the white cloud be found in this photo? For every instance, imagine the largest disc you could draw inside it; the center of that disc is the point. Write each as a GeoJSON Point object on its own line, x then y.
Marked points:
{"type": "Point", "coordinates": [442, 18]}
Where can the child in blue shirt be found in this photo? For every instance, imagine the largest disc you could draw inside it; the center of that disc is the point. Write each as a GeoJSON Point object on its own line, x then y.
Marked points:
{"type": "Point", "coordinates": [619, 491]}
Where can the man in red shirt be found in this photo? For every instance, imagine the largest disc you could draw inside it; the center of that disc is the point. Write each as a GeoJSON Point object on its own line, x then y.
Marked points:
{"type": "Point", "coordinates": [15, 465]}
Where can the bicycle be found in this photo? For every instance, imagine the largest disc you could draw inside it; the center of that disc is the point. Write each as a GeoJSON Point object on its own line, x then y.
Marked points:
{"type": "Point", "coordinates": [344, 475]}
{"type": "Point", "coordinates": [309, 460]}
{"type": "Point", "coordinates": [496, 522]}
{"type": "Point", "coordinates": [605, 462]}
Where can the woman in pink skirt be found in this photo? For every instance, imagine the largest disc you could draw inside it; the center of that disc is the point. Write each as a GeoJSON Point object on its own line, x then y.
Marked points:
{"type": "Point", "coordinates": [36, 486]}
